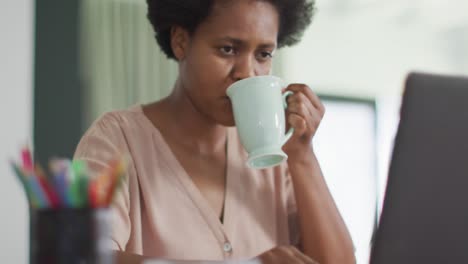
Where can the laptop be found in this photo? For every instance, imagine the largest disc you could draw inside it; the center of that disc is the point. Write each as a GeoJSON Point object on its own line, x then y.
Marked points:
{"type": "Point", "coordinates": [425, 212]}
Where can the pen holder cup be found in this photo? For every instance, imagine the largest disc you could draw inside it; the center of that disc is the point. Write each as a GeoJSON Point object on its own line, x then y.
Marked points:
{"type": "Point", "coordinates": [71, 235]}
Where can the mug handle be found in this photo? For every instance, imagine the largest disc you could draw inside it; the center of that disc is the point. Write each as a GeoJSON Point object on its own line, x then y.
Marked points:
{"type": "Point", "coordinates": [285, 105]}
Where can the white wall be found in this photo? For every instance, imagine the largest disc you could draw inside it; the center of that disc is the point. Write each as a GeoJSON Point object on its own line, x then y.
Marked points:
{"type": "Point", "coordinates": [365, 48]}
{"type": "Point", "coordinates": [16, 67]}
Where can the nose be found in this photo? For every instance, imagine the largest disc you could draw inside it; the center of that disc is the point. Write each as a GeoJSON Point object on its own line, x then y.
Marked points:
{"type": "Point", "coordinates": [244, 67]}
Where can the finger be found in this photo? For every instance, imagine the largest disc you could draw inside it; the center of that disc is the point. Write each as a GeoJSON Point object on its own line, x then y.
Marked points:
{"type": "Point", "coordinates": [298, 123]}
{"type": "Point", "coordinates": [304, 89]}
{"type": "Point", "coordinates": [287, 255]}
{"type": "Point", "coordinates": [299, 108]}
{"type": "Point", "coordinates": [303, 257]}
{"type": "Point", "coordinates": [299, 103]}
{"type": "Point", "coordinates": [299, 99]}
{"type": "Point", "coordinates": [306, 111]}
{"type": "Point", "coordinates": [307, 91]}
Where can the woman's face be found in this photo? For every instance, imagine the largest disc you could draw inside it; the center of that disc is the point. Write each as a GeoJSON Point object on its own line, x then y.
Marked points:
{"type": "Point", "coordinates": [235, 42]}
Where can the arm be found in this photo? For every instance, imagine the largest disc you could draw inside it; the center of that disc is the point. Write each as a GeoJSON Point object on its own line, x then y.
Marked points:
{"type": "Point", "coordinates": [324, 235]}
{"type": "Point", "coordinates": [103, 142]}
{"type": "Point", "coordinates": [127, 258]}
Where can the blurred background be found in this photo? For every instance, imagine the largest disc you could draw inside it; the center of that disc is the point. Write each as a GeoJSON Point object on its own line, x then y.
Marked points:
{"type": "Point", "coordinates": [64, 63]}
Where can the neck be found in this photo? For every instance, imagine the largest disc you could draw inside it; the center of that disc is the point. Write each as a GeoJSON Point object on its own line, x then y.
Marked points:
{"type": "Point", "coordinates": [196, 130]}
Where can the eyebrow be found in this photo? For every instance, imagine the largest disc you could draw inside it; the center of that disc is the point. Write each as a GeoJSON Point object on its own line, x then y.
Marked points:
{"type": "Point", "coordinates": [242, 42]}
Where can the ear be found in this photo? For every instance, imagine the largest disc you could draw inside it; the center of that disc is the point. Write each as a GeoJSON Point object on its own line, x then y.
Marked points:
{"type": "Point", "coordinates": [180, 39]}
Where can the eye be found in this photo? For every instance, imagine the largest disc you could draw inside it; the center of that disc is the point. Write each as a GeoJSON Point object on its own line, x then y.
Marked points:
{"type": "Point", "coordinates": [227, 50]}
{"type": "Point", "coordinates": [265, 55]}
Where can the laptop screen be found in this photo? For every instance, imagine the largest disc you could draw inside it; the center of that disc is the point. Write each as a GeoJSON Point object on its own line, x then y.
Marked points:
{"type": "Point", "coordinates": [425, 212]}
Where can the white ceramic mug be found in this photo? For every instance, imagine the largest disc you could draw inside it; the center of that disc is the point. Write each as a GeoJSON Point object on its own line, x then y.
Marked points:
{"type": "Point", "coordinates": [259, 113]}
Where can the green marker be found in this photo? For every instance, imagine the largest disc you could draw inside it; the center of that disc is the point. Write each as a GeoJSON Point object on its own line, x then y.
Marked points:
{"type": "Point", "coordinates": [79, 185]}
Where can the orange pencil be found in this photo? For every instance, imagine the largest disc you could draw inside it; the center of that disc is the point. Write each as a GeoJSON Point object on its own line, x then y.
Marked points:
{"type": "Point", "coordinates": [116, 176]}
{"type": "Point", "coordinates": [102, 185]}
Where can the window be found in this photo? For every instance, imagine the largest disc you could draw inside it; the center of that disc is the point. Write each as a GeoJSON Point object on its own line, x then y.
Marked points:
{"type": "Point", "coordinates": [345, 145]}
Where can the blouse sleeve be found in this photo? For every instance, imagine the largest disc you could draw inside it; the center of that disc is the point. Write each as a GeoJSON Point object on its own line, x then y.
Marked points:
{"type": "Point", "coordinates": [103, 142]}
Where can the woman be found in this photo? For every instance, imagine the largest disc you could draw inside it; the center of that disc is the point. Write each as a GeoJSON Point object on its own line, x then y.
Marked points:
{"type": "Point", "coordinates": [188, 194]}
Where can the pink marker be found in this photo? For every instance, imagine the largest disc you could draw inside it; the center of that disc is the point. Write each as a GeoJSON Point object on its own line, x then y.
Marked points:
{"type": "Point", "coordinates": [27, 160]}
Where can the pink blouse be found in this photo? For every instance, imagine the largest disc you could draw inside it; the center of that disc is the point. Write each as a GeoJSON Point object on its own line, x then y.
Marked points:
{"type": "Point", "coordinates": [160, 212]}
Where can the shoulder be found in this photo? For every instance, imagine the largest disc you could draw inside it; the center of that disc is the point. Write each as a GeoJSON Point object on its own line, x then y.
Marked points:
{"type": "Point", "coordinates": [117, 121]}
{"type": "Point", "coordinates": [120, 125]}
{"type": "Point", "coordinates": [113, 130]}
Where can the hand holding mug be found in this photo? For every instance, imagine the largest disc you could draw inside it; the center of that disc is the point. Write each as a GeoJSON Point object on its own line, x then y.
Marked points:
{"type": "Point", "coordinates": [304, 113]}
{"type": "Point", "coordinates": [259, 105]}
